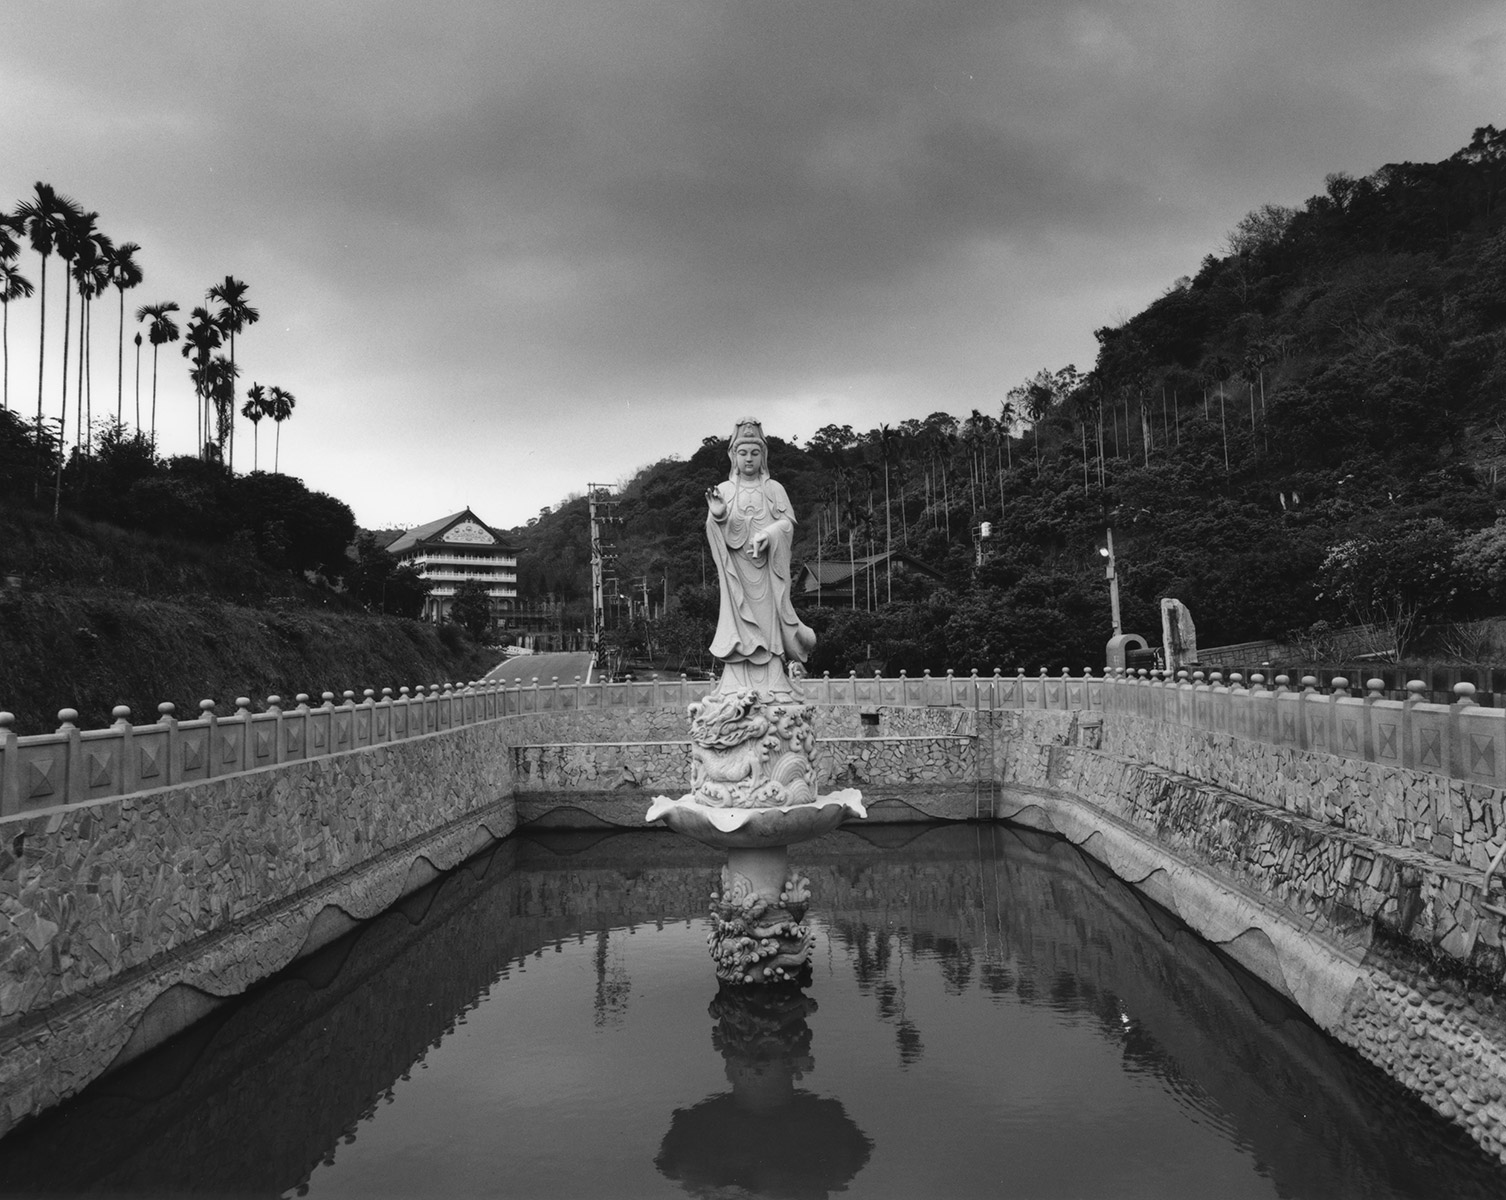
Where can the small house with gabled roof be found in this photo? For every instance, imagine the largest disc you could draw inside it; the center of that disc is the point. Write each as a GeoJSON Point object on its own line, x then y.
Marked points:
{"type": "Point", "coordinates": [453, 549]}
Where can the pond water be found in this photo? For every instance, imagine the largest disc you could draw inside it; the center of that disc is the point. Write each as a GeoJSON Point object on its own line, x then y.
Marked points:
{"type": "Point", "coordinates": [990, 1013]}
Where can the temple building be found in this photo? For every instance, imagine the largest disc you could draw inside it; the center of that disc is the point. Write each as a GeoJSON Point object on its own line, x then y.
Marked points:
{"type": "Point", "coordinates": [455, 548]}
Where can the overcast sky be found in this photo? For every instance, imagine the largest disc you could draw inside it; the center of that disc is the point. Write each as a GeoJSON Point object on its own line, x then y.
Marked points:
{"type": "Point", "coordinates": [502, 250]}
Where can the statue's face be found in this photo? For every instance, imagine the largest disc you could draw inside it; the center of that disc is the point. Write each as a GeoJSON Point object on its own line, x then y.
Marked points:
{"type": "Point", "coordinates": [749, 458]}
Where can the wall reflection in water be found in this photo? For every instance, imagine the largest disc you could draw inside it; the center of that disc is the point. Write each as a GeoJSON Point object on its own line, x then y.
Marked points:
{"type": "Point", "coordinates": [992, 1006]}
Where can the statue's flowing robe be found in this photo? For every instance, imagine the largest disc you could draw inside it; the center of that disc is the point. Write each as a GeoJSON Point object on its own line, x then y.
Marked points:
{"type": "Point", "coordinates": [757, 621]}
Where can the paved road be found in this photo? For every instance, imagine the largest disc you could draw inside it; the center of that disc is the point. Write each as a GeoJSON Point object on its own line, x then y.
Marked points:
{"type": "Point", "coordinates": [523, 668]}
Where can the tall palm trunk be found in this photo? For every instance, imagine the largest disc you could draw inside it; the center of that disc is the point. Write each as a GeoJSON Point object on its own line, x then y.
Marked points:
{"type": "Point", "coordinates": [852, 566]}
{"type": "Point", "coordinates": [57, 479]}
{"type": "Point", "coordinates": [888, 539]}
{"type": "Point", "coordinates": [1223, 424]}
{"type": "Point", "coordinates": [1100, 444]}
{"type": "Point", "coordinates": [42, 347]}
{"type": "Point", "coordinates": [67, 322]}
{"type": "Point", "coordinates": [83, 341]}
{"type": "Point", "coordinates": [120, 363]}
{"type": "Point", "coordinates": [6, 338]}
{"type": "Point", "coordinates": [155, 348]}
{"type": "Point", "coordinates": [946, 500]}
{"type": "Point", "coordinates": [232, 404]}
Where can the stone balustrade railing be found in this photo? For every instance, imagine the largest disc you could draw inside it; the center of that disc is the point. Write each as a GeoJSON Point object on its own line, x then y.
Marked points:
{"type": "Point", "coordinates": [74, 765]}
{"type": "Point", "coordinates": [1462, 740]}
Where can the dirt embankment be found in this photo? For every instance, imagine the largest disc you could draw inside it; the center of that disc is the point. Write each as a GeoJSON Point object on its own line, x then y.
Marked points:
{"type": "Point", "coordinates": [92, 616]}
{"type": "Point", "coordinates": [93, 652]}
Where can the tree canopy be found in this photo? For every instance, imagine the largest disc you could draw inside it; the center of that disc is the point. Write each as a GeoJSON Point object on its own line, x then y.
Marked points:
{"type": "Point", "coordinates": [1251, 436]}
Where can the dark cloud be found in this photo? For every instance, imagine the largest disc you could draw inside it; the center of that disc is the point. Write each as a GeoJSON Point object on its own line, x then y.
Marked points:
{"type": "Point", "coordinates": [573, 236]}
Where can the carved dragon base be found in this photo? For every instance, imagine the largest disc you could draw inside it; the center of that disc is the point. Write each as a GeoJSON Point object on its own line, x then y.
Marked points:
{"type": "Point", "coordinates": [753, 794]}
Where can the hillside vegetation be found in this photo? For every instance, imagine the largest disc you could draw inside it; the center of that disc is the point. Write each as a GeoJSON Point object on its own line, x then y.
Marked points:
{"type": "Point", "coordinates": [1305, 433]}
{"type": "Point", "coordinates": [93, 615]}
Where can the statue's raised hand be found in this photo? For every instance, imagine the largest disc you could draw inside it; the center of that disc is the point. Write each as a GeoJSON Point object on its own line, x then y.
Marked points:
{"type": "Point", "coordinates": [715, 503]}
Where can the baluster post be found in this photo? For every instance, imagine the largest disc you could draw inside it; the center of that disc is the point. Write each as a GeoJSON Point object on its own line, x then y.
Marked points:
{"type": "Point", "coordinates": [130, 769]}
{"type": "Point", "coordinates": [10, 766]}
{"type": "Point", "coordinates": [73, 765]}
{"type": "Point", "coordinates": [247, 756]}
{"type": "Point", "coordinates": [173, 771]}
{"type": "Point", "coordinates": [1373, 694]}
{"type": "Point", "coordinates": [1464, 697]}
{"type": "Point", "coordinates": [274, 709]}
{"type": "Point", "coordinates": [1416, 690]}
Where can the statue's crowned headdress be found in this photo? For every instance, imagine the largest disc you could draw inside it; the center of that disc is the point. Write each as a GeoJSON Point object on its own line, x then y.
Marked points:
{"type": "Point", "coordinates": [748, 431]}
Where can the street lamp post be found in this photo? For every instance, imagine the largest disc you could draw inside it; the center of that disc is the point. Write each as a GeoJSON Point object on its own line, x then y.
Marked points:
{"type": "Point", "coordinates": [1107, 551]}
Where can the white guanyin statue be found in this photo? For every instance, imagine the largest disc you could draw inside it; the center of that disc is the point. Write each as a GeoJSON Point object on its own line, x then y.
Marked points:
{"type": "Point", "coordinates": [751, 526]}
{"type": "Point", "coordinates": [753, 772]}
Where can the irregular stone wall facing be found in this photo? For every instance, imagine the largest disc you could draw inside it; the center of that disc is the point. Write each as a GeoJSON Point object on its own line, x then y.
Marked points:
{"type": "Point", "coordinates": [920, 758]}
{"type": "Point", "coordinates": [123, 919]}
{"type": "Point", "coordinates": [1453, 819]}
{"type": "Point", "coordinates": [1388, 947]}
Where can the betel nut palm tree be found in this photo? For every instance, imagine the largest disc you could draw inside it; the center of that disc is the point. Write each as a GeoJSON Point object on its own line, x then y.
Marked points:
{"type": "Point", "coordinates": [162, 331]}
{"type": "Point", "coordinates": [233, 316]}
{"type": "Point", "coordinates": [279, 407]}
{"type": "Point", "coordinates": [91, 276]}
{"type": "Point", "coordinates": [219, 386]}
{"type": "Point", "coordinates": [125, 273]}
{"type": "Point", "coordinates": [76, 232]}
{"type": "Point", "coordinates": [43, 218]}
{"type": "Point", "coordinates": [201, 339]}
{"type": "Point", "coordinates": [254, 409]}
{"type": "Point", "coordinates": [13, 286]}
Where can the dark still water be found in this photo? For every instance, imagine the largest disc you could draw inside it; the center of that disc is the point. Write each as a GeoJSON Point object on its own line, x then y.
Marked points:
{"type": "Point", "coordinates": [991, 1014]}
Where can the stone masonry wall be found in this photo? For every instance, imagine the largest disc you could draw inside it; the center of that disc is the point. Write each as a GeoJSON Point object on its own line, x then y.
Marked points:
{"type": "Point", "coordinates": [1447, 818]}
{"type": "Point", "coordinates": [1310, 832]}
{"type": "Point", "coordinates": [593, 751]}
{"type": "Point", "coordinates": [1357, 887]}
{"type": "Point", "coordinates": [1413, 976]}
{"type": "Point", "coordinates": [106, 906]}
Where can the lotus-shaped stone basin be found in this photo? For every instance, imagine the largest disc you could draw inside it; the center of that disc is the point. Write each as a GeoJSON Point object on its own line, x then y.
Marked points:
{"type": "Point", "coordinates": [756, 828]}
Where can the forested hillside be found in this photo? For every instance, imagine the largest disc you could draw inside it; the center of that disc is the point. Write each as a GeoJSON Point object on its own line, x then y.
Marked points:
{"type": "Point", "coordinates": [1305, 433]}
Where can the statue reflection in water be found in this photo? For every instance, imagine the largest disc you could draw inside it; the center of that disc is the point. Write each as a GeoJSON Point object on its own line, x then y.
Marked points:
{"type": "Point", "coordinates": [766, 1136]}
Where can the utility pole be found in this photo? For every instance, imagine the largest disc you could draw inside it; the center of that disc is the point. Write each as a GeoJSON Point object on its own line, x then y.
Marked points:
{"type": "Point", "coordinates": [602, 505]}
{"type": "Point", "coordinates": [1109, 573]}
